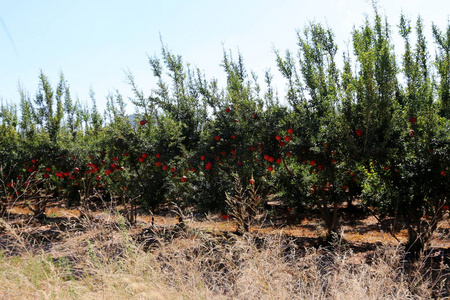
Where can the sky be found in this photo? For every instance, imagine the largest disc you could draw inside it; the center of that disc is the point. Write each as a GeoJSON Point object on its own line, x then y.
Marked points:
{"type": "Point", "coordinates": [95, 42]}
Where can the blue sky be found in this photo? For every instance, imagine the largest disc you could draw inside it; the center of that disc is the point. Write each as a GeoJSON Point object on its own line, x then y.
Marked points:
{"type": "Point", "coordinates": [94, 42]}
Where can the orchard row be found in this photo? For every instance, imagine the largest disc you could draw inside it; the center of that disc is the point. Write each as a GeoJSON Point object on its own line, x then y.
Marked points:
{"type": "Point", "coordinates": [340, 134]}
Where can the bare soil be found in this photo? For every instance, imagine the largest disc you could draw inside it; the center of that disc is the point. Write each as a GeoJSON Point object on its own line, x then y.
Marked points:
{"type": "Point", "coordinates": [363, 231]}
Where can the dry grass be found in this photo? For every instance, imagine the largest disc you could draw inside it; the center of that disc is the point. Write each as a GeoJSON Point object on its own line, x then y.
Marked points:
{"type": "Point", "coordinates": [102, 260]}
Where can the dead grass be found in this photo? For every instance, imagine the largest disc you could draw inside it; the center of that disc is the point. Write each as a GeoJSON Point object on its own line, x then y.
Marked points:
{"type": "Point", "coordinates": [102, 258]}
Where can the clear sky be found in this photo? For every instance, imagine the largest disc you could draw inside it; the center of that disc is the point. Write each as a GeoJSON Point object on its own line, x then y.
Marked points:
{"type": "Point", "coordinates": [93, 42]}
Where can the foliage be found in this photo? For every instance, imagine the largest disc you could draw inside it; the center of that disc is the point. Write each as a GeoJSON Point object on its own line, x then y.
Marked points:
{"type": "Point", "coordinates": [375, 129]}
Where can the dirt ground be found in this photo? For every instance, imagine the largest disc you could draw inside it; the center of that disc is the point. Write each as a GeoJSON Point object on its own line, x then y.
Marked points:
{"type": "Point", "coordinates": [363, 230]}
